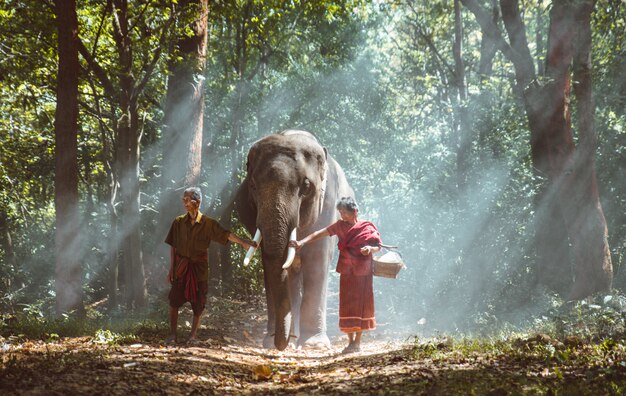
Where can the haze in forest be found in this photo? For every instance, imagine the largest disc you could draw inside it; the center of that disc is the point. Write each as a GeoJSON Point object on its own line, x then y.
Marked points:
{"type": "Point", "coordinates": [439, 150]}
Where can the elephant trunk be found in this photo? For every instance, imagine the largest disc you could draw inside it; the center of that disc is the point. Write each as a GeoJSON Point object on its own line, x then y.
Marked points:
{"type": "Point", "coordinates": [279, 290]}
{"type": "Point", "coordinates": [283, 317]}
{"type": "Point", "coordinates": [275, 223]}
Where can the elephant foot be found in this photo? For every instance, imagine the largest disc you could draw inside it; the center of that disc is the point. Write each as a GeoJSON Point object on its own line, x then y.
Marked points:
{"type": "Point", "coordinates": [316, 341]}
{"type": "Point", "coordinates": [268, 341]}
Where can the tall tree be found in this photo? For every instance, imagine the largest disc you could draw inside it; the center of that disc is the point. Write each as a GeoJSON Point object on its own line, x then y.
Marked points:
{"type": "Point", "coordinates": [589, 221]}
{"type": "Point", "coordinates": [461, 124]}
{"type": "Point", "coordinates": [6, 243]}
{"type": "Point", "coordinates": [128, 154]}
{"type": "Point", "coordinates": [569, 209]}
{"type": "Point", "coordinates": [184, 107]}
{"type": "Point", "coordinates": [69, 294]}
{"type": "Point", "coordinates": [124, 86]}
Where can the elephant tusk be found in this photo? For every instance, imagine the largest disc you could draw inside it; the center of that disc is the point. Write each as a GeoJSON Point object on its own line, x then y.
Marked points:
{"type": "Point", "coordinates": [291, 251]}
{"type": "Point", "coordinates": [251, 250]}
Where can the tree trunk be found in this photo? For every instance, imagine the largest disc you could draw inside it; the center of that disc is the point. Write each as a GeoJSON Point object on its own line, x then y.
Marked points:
{"type": "Point", "coordinates": [539, 42]}
{"type": "Point", "coordinates": [10, 259]}
{"type": "Point", "coordinates": [593, 269]}
{"type": "Point", "coordinates": [569, 212]}
{"type": "Point", "coordinates": [236, 125]}
{"type": "Point", "coordinates": [461, 120]}
{"type": "Point", "coordinates": [488, 47]}
{"type": "Point", "coordinates": [230, 188]}
{"type": "Point", "coordinates": [112, 259]}
{"type": "Point", "coordinates": [461, 135]}
{"type": "Point", "coordinates": [184, 113]}
{"type": "Point", "coordinates": [488, 50]}
{"type": "Point", "coordinates": [69, 295]}
{"type": "Point", "coordinates": [128, 153]}
{"type": "Point", "coordinates": [227, 221]}
{"type": "Point", "coordinates": [108, 157]}
{"type": "Point", "coordinates": [570, 200]}
{"type": "Point", "coordinates": [551, 148]}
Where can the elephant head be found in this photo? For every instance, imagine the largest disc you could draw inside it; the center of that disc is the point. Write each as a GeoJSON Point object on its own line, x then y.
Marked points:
{"type": "Point", "coordinates": [283, 191]}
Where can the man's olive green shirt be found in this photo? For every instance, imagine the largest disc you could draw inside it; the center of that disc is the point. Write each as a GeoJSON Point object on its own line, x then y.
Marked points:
{"type": "Point", "coordinates": [192, 240]}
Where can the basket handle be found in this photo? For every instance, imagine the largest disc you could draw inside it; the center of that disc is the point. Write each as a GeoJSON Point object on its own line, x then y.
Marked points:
{"type": "Point", "coordinates": [391, 247]}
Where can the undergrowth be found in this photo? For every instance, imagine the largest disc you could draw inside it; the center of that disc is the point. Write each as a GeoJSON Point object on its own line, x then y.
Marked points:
{"type": "Point", "coordinates": [585, 331]}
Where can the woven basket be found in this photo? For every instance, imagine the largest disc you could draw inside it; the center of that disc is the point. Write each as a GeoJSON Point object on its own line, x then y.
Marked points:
{"type": "Point", "coordinates": [387, 264]}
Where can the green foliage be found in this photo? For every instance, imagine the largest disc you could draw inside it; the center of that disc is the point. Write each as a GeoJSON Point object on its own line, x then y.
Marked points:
{"type": "Point", "coordinates": [110, 338]}
{"type": "Point", "coordinates": [27, 72]}
{"type": "Point", "coordinates": [603, 317]}
{"type": "Point", "coordinates": [609, 95]}
{"type": "Point", "coordinates": [531, 356]}
{"type": "Point", "coordinates": [34, 323]}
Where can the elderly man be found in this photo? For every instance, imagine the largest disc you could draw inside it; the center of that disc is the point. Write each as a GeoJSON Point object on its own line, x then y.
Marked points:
{"type": "Point", "coordinates": [189, 238]}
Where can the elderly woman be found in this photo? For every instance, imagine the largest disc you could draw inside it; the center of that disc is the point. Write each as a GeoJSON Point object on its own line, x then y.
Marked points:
{"type": "Point", "coordinates": [358, 239]}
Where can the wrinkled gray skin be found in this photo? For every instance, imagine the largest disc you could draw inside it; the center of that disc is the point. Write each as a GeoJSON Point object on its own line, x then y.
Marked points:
{"type": "Point", "coordinates": [283, 190]}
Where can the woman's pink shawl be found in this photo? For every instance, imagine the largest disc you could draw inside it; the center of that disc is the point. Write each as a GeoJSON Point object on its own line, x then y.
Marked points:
{"type": "Point", "coordinates": [351, 261]}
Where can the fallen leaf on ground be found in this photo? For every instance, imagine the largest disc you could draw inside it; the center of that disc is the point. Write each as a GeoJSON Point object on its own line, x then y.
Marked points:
{"type": "Point", "coordinates": [261, 372]}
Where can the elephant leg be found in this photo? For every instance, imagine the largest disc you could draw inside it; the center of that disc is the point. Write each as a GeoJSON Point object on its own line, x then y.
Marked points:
{"type": "Point", "coordinates": [313, 306]}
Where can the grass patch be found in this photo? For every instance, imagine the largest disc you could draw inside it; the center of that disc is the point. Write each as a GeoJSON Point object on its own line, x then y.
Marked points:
{"type": "Point", "coordinates": [115, 327]}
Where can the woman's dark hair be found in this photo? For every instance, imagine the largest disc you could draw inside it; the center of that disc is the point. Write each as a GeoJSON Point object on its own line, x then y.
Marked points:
{"type": "Point", "coordinates": [347, 203]}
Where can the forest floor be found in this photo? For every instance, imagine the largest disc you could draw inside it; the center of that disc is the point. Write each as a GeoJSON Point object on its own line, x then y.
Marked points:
{"type": "Point", "coordinates": [229, 360]}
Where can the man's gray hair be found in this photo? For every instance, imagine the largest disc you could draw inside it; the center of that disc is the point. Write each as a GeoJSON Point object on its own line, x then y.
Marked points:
{"type": "Point", "coordinates": [195, 193]}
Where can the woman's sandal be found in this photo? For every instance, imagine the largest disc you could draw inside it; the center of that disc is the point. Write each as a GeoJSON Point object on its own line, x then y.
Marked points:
{"type": "Point", "coordinates": [171, 340]}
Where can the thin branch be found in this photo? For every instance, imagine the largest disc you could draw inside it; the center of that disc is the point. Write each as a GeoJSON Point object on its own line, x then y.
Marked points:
{"type": "Point", "coordinates": [484, 19]}
{"type": "Point", "coordinates": [100, 73]}
{"type": "Point", "coordinates": [157, 55]}
{"type": "Point", "coordinates": [517, 34]}
{"type": "Point", "coordinates": [107, 9]}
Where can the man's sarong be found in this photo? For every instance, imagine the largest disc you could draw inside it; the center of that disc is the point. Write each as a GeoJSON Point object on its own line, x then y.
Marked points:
{"type": "Point", "coordinates": [186, 286]}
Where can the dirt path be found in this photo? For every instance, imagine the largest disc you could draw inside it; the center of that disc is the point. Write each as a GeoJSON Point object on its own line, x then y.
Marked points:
{"type": "Point", "coordinates": [77, 366]}
{"type": "Point", "coordinates": [229, 361]}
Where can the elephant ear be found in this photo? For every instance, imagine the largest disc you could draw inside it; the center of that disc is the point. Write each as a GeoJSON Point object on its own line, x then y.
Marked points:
{"type": "Point", "coordinates": [250, 158]}
{"type": "Point", "coordinates": [323, 178]}
{"type": "Point", "coordinates": [324, 165]}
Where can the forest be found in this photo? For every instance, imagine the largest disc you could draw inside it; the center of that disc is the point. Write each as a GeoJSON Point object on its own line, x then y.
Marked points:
{"type": "Point", "coordinates": [486, 139]}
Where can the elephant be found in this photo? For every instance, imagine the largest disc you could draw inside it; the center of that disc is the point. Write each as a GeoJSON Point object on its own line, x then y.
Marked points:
{"type": "Point", "coordinates": [290, 191]}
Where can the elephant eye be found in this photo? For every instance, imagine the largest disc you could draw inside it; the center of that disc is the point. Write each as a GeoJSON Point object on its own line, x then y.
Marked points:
{"type": "Point", "coordinates": [306, 187]}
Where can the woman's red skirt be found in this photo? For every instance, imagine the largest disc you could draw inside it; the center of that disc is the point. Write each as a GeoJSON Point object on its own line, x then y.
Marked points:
{"type": "Point", "coordinates": [356, 303]}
